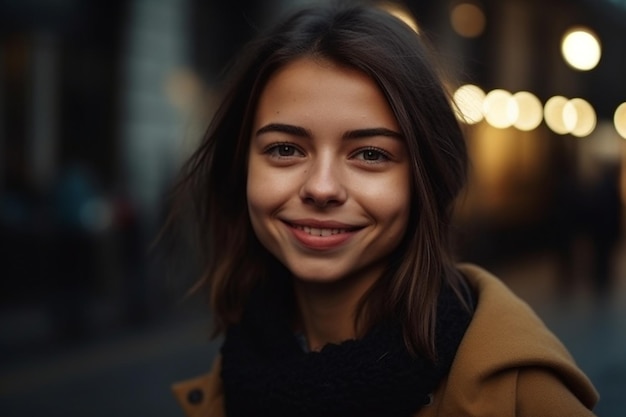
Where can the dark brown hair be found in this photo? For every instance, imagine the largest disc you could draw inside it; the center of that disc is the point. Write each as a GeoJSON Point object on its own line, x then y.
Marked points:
{"type": "Point", "coordinates": [383, 47]}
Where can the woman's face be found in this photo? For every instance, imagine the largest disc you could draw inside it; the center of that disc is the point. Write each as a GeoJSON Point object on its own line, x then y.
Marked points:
{"type": "Point", "coordinates": [328, 183]}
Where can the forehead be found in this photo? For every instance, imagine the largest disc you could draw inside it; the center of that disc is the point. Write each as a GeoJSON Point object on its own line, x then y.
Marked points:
{"type": "Point", "coordinates": [313, 89]}
{"type": "Point", "coordinates": [316, 72]}
{"type": "Point", "coordinates": [317, 69]}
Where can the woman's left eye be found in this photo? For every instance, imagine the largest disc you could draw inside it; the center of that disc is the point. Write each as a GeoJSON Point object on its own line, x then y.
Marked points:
{"type": "Point", "coordinates": [283, 150]}
{"type": "Point", "coordinates": [372, 155]}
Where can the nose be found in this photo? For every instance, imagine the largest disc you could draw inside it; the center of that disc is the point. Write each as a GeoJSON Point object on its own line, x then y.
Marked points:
{"type": "Point", "coordinates": [323, 184]}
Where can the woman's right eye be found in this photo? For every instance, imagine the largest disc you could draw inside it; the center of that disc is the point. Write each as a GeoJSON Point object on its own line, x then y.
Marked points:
{"type": "Point", "coordinates": [283, 150]}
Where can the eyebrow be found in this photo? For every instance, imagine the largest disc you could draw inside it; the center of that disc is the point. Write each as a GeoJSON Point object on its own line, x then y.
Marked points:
{"type": "Point", "coordinates": [284, 128]}
{"type": "Point", "coordinates": [351, 134]}
{"type": "Point", "coordinates": [371, 132]}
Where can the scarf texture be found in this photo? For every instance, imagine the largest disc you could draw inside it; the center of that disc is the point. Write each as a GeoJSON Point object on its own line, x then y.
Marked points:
{"type": "Point", "coordinates": [265, 371]}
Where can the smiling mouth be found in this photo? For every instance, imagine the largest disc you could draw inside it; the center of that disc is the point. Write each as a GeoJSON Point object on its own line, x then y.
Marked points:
{"type": "Point", "coordinates": [322, 231]}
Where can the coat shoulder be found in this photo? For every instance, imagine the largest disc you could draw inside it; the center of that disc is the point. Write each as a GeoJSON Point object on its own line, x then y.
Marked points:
{"type": "Point", "coordinates": [508, 357]}
{"type": "Point", "coordinates": [202, 396]}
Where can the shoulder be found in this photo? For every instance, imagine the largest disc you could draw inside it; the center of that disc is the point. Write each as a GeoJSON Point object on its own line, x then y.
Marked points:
{"type": "Point", "coordinates": [202, 396]}
{"type": "Point", "coordinates": [509, 360]}
{"type": "Point", "coordinates": [508, 364]}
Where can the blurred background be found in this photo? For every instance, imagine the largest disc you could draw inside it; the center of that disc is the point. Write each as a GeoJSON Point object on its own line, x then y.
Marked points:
{"type": "Point", "coordinates": [102, 100]}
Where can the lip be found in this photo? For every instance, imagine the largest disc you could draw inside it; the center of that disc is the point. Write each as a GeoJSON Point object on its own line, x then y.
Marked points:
{"type": "Point", "coordinates": [321, 235]}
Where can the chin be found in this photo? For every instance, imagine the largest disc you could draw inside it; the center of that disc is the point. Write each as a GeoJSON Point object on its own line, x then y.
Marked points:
{"type": "Point", "coordinates": [316, 278]}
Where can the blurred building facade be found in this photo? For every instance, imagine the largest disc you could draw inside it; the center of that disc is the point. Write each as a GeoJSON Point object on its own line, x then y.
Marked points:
{"type": "Point", "coordinates": [100, 102]}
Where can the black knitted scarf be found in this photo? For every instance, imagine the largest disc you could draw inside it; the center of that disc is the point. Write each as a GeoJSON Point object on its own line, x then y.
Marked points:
{"type": "Point", "coordinates": [265, 371]}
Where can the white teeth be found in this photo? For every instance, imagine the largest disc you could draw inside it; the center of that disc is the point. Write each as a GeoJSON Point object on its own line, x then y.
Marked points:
{"type": "Point", "coordinates": [316, 231]}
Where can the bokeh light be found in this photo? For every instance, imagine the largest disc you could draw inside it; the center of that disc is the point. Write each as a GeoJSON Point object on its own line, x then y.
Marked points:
{"type": "Point", "coordinates": [579, 117]}
{"type": "Point", "coordinates": [619, 119]}
{"type": "Point", "coordinates": [530, 111]}
{"type": "Point", "coordinates": [581, 49]}
{"type": "Point", "coordinates": [575, 116]}
{"type": "Point", "coordinates": [553, 114]}
{"type": "Point", "coordinates": [468, 20]}
{"type": "Point", "coordinates": [469, 102]}
{"type": "Point", "coordinates": [499, 108]}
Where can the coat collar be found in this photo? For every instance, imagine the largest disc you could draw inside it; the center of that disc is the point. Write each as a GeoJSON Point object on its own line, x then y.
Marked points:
{"type": "Point", "coordinates": [505, 335]}
{"type": "Point", "coordinates": [202, 396]}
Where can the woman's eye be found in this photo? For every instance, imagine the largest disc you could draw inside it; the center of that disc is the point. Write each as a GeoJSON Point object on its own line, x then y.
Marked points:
{"type": "Point", "coordinates": [283, 151]}
{"type": "Point", "coordinates": [286, 150]}
{"type": "Point", "coordinates": [372, 155]}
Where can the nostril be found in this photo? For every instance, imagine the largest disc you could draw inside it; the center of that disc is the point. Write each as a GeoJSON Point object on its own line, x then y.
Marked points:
{"type": "Point", "coordinates": [319, 202]}
{"type": "Point", "coordinates": [322, 195]}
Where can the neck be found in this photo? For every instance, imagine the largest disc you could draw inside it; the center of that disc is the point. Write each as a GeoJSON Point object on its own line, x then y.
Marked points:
{"type": "Point", "coordinates": [327, 311]}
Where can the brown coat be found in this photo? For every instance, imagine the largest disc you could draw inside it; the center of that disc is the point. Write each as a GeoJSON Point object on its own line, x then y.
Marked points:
{"type": "Point", "coordinates": [508, 364]}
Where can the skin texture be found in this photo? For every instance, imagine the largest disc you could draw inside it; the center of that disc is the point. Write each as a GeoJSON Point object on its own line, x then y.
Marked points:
{"type": "Point", "coordinates": [328, 188]}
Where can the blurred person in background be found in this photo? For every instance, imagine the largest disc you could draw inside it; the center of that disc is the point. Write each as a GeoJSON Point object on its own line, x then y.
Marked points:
{"type": "Point", "coordinates": [604, 212]}
{"type": "Point", "coordinates": [588, 230]}
{"type": "Point", "coordinates": [322, 195]}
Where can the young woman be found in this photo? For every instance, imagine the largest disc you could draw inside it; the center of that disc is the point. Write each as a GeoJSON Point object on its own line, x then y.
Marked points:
{"type": "Point", "coordinates": [323, 190]}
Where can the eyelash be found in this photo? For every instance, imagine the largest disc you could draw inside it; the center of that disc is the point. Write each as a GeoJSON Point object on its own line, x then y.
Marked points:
{"type": "Point", "coordinates": [381, 152]}
{"type": "Point", "coordinates": [274, 149]}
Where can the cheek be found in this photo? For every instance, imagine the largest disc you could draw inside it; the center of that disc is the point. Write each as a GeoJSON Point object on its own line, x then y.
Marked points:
{"type": "Point", "coordinates": [256, 205]}
{"type": "Point", "coordinates": [267, 185]}
{"type": "Point", "coordinates": [394, 208]}
{"type": "Point", "coordinates": [392, 198]}
{"type": "Point", "coordinates": [266, 189]}
{"type": "Point", "coordinates": [251, 185]}
{"type": "Point", "coordinates": [254, 193]}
